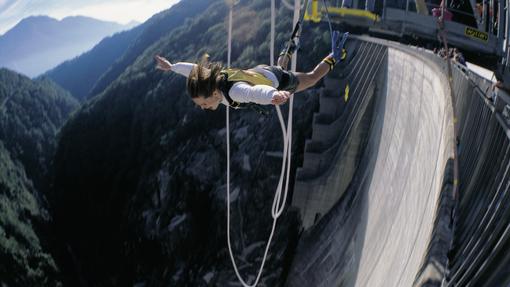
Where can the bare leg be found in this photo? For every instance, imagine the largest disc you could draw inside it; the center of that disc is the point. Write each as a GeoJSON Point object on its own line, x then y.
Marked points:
{"type": "Point", "coordinates": [307, 80]}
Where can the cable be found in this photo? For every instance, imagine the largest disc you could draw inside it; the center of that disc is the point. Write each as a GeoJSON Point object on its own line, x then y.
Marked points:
{"type": "Point", "coordinates": [329, 20]}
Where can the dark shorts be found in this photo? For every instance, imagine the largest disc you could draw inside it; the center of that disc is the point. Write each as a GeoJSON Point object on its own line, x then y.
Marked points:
{"type": "Point", "coordinates": [286, 79]}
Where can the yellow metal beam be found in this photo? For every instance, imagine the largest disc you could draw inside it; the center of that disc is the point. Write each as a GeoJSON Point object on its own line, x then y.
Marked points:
{"type": "Point", "coordinates": [316, 16]}
{"type": "Point", "coordinates": [354, 12]}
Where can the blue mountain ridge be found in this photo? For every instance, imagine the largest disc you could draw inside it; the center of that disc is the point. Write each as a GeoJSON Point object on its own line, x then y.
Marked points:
{"type": "Point", "coordinates": [39, 43]}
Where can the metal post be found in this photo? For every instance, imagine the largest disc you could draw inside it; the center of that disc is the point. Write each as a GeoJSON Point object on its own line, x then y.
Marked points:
{"type": "Point", "coordinates": [504, 64]}
{"type": "Point", "coordinates": [507, 31]}
{"type": "Point", "coordinates": [484, 15]}
{"type": "Point", "coordinates": [383, 12]}
{"type": "Point", "coordinates": [491, 16]}
{"type": "Point", "coordinates": [297, 9]}
{"type": "Point", "coordinates": [501, 22]}
{"type": "Point", "coordinates": [503, 43]}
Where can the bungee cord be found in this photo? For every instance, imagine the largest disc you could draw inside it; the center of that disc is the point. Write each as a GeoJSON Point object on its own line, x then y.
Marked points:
{"type": "Point", "coordinates": [278, 202]}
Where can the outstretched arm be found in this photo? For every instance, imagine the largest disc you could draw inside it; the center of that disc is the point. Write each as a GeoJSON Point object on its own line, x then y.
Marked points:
{"type": "Point", "coordinates": [258, 94]}
{"type": "Point", "coordinates": [163, 64]}
{"type": "Point", "coordinates": [181, 68]}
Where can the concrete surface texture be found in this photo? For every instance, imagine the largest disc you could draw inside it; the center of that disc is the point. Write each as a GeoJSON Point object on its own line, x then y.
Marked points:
{"type": "Point", "coordinates": [340, 131]}
{"type": "Point", "coordinates": [378, 234]}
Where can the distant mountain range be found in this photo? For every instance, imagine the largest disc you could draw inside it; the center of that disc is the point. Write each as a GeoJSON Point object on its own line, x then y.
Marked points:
{"type": "Point", "coordinates": [39, 43]}
{"type": "Point", "coordinates": [90, 73]}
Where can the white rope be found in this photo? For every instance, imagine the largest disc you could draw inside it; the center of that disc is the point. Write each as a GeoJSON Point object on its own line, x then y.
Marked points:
{"type": "Point", "coordinates": [271, 45]}
{"type": "Point", "coordinates": [286, 4]}
{"type": "Point", "coordinates": [278, 203]}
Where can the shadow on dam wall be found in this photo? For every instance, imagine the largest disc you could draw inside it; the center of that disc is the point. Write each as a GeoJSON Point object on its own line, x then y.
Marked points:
{"type": "Point", "coordinates": [389, 225]}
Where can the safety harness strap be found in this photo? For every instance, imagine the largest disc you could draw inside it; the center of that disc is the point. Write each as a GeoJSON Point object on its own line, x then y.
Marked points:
{"type": "Point", "coordinates": [231, 76]}
{"type": "Point", "coordinates": [224, 87]}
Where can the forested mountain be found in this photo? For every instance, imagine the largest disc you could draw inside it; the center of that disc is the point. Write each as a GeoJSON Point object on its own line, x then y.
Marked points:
{"type": "Point", "coordinates": [31, 113]}
{"type": "Point", "coordinates": [24, 261]}
{"type": "Point", "coordinates": [39, 43]}
{"type": "Point", "coordinates": [90, 73]}
{"type": "Point", "coordinates": [140, 172]}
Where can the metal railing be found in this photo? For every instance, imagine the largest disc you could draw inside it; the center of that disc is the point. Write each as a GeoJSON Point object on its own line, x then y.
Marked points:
{"type": "Point", "coordinates": [480, 254]}
{"type": "Point", "coordinates": [416, 19]}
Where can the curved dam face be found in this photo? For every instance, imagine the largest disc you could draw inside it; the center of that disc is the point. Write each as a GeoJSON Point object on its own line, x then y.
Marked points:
{"type": "Point", "coordinates": [379, 231]}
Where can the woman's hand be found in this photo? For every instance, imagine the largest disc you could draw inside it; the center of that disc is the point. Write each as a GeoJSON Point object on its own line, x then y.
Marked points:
{"type": "Point", "coordinates": [280, 97]}
{"type": "Point", "coordinates": [163, 64]}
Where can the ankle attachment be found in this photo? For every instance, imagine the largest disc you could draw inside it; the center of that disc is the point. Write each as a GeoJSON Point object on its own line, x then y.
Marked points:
{"type": "Point", "coordinates": [289, 49]}
{"type": "Point", "coordinates": [330, 60]}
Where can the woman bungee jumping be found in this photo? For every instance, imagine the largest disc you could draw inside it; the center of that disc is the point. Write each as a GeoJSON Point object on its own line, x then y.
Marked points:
{"type": "Point", "coordinates": [209, 84]}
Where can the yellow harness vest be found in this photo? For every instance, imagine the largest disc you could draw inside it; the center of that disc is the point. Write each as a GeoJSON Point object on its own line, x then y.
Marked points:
{"type": "Point", "coordinates": [236, 75]}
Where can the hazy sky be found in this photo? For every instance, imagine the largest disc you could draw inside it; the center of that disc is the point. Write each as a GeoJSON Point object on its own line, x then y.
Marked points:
{"type": "Point", "coordinates": [122, 11]}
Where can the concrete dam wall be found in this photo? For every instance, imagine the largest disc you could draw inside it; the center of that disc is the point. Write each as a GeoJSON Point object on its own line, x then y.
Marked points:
{"type": "Point", "coordinates": [377, 212]}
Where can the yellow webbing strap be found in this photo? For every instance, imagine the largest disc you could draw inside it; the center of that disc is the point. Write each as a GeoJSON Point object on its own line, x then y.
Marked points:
{"type": "Point", "coordinates": [251, 77]}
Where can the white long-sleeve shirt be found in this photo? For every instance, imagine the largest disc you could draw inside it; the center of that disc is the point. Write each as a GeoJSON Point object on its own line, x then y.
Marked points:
{"type": "Point", "coordinates": [241, 92]}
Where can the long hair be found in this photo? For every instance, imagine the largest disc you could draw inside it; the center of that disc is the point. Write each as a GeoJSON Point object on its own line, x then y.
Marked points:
{"type": "Point", "coordinates": [204, 79]}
